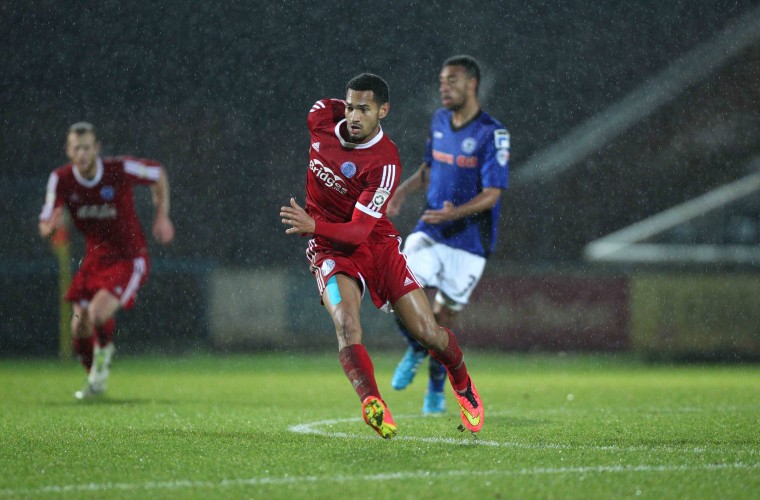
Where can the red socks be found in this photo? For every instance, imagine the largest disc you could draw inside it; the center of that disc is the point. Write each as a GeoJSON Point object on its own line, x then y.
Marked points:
{"type": "Point", "coordinates": [105, 332]}
{"type": "Point", "coordinates": [83, 349]}
{"type": "Point", "coordinates": [358, 368]}
{"type": "Point", "coordinates": [452, 359]}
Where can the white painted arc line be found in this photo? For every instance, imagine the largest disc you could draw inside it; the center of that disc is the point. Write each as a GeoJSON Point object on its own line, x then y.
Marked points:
{"type": "Point", "coordinates": [388, 476]}
{"type": "Point", "coordinates": [311, 428]}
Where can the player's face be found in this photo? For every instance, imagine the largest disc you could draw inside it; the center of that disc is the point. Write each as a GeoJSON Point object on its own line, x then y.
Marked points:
{"type": "Point", "coordinates": [455, 87]}
{"type": "Point", "coordinates": [363, 115]}
{"type": "Point", "coordinates": [82, 149]}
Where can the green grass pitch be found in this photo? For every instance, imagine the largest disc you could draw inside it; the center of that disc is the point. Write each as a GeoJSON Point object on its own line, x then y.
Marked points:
{"type": "Point", "coordinates": [289, 426]}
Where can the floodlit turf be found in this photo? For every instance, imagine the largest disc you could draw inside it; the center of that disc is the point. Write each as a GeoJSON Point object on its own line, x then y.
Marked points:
{"type": "Point", "coordinates": [289, 426]}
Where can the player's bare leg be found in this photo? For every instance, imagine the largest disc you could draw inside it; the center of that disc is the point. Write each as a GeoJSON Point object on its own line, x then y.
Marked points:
{"type": "Point", "coordinates": [434, 402]}
{"type": "Point", "coordinates": [342, 299]}
{"type": "Point", "coordinates": [82, 335]}
{"type": "Point", "coordinates": [414, 310]}
{"type": "Point", "coordinates": [99, 324]}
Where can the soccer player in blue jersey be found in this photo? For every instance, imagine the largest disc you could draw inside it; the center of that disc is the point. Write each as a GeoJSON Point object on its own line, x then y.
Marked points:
{"type": "Point", "coordinates": [465, 170]}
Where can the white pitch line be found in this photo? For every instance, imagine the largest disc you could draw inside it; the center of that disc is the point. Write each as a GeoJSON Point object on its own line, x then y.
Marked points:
{"type": "Point", "coordinates": [312, 429]}
{"type": "Point", "coordinates": [386, 476]}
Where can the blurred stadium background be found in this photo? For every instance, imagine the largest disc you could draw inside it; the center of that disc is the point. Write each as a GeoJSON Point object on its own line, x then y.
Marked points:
{"type": "Point", "coordinates": [632, 221]}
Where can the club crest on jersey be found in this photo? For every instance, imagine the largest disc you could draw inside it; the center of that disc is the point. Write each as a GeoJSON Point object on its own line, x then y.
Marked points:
{"type": "Point", "coordinates": [327, 266]}
{"type": "Point", "coordinates": [107, 193]}
{"type": "Point", "coordinates": [468, 145]}
{"type": "Point", "coordinates": [502, 157]}
{"type": "Point", "coordinates": [348, 169]}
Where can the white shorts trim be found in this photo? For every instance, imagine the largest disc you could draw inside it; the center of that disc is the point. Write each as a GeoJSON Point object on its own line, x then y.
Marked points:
{"type": "Point", "coordinates": [138, 271]}
{"type": "Point", "coordinates": [454, 272]}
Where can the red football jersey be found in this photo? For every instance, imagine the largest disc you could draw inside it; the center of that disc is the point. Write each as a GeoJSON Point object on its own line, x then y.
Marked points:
{"type": "Point", "coordinates": [103, 208]}
{"type": "Point", "coordinates": [343, 176]}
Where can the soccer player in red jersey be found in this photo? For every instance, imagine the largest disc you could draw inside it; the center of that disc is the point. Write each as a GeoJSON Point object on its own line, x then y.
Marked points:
{"type": "Point", "coordinates": [98, 194]}
{"type": "Point", "coordinates": [354, 169]}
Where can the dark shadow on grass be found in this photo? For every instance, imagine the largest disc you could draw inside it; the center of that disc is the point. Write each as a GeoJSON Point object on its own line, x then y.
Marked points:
{"type": "Point", "coordinates": [248, 436]}
{"type": "Point", "coordinates": [516, 421]}
{"type": "Point", "coordinates": [111, 402]}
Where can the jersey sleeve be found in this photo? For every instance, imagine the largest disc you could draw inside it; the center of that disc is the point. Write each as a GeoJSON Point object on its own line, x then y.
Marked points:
{"type": "Point", "coordinates": [495, 163]}
{"type": "Point", "coordinates": [381, 184]}
{"type": "Point", "coordinates": [52, 198]}
{"type": "Point", "coordinates": [141, 170]}
{"type": "Point", "coordinates": [350, 233]}
{"type": "Point", "coordinates": [325, 113]}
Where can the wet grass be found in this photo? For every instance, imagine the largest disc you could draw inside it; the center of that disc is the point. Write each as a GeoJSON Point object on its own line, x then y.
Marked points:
{"type": "Point", "coordinates": [288, 425]}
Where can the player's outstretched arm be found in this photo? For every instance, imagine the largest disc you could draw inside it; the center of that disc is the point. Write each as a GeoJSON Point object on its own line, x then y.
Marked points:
{"type": "Point", "coordinates": [163, 228]}
{"type": "Point", "coordinates": [353, 232]}
{"type": "Point", "coordinates": [485, 200]}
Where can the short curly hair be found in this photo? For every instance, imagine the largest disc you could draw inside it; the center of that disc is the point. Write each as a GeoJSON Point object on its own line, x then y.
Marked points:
{"type": "Point", "coordinates": [369, 81]}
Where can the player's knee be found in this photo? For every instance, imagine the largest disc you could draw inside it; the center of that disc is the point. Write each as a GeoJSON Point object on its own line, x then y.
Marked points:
{"type": "Point", "coordinates": [80, 326]}
{"type": "Point", "coordinates": [428, 334]}
{"type": "Point", "coordinates": [97, 316]}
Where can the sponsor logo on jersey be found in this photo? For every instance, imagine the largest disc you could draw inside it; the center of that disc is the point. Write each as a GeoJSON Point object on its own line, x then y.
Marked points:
{"type": "Point", "coordinates": [315, 145]}
{"type": "Point", "coordinates": [468, 145]}
{"type": "Point", "coordinates": [467, 161]}
{"type": "Point", "coordinates": [327, 266]}
{"type": "Point", "coordinates": [327, 176]}
{"type": "Point", "coordinates": [98, 212]}
{"type": "Point", "coordinates": [443, 157]}
{"type": "Point", "coordinates": [463, 161]}
{"type": "Point", "coordinates": [348, 169]}
{"type": "Point", "coordinates": [107, 193]}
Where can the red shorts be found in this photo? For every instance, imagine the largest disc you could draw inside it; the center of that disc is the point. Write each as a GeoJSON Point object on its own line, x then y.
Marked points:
{"type": "Point", "coordinates": [122, 278]}
{"type": "Point", "coordinates": [379, 267]}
